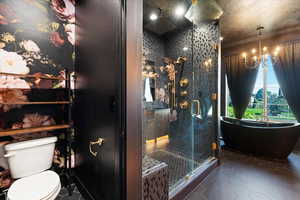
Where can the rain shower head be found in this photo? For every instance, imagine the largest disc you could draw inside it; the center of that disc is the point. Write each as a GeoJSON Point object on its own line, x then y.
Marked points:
{"type": "Point", "coordinates": [202, 11]}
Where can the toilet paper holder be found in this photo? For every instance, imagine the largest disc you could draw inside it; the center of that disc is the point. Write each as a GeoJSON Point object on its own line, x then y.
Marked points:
{"type": "Point", "coordinates": [99, 142]}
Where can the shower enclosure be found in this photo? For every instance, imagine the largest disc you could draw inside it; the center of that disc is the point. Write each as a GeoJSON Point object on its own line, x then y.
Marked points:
{"type": "Point", "coordinates": [180, 84]}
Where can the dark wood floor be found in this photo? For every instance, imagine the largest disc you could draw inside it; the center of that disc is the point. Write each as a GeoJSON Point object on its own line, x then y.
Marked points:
{"type": "Point", "coordinates": [242, 177]}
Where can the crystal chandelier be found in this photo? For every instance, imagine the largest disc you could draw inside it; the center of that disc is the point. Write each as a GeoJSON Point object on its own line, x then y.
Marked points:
{"type": "Point", "coordinates": [259, 58]}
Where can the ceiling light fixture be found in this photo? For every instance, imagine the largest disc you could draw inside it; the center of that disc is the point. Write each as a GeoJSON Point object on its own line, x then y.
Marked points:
{"type": "Point", "coordinates": [265, 49]}
{"type": "Point", "coordinates": [260, 58]}
{"type": "Point", "coordinates": [185, 48]}
{"type": "Point", "coordinates": [179, 11]}
{"type": "Point", "coordinates": [244, 55]}
{"type": "Point", "coordinates": [153, 17]}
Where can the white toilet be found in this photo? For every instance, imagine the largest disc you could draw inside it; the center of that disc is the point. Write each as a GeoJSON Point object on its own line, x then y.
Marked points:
{"type": "Point", "coordinates": [29, 162]}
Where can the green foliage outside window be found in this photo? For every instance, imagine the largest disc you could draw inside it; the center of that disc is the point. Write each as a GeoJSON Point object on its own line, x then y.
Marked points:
{"type": "Point", "coordinates": [278, 109]}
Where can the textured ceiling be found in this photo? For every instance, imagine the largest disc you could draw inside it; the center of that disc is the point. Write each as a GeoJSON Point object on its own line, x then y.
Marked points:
{"type": "Point", "coordinates": [239, 21]}
{"type": "Point", "coordinates": [201, 12]}
{"type": "Point", "coordinates": [241, 17]}
{"type": "Point", "coordinates": [167, 22]}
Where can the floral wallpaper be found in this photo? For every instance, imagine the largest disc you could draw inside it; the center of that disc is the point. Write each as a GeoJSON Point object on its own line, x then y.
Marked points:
{"type": "Point", "coordinates": [37, 39]}
{"type": "Point", "coordinates": [39, 43]}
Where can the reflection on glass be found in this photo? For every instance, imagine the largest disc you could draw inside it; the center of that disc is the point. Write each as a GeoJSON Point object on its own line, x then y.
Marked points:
{"type": "Point", "coordinates": [179, 78]}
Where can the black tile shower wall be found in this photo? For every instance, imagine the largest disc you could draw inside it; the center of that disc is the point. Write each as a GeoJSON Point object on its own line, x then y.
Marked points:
{"type": "Point", "coordinates": [155, 115]}
{"type": "Point", "coordinates": [181, 129]}
{"type": "Point", "coordinates": [200, 42]}
{"type": "Point", "coordinates": [153, 47]}
{"type": "Point", "coordinates": [154, 52]}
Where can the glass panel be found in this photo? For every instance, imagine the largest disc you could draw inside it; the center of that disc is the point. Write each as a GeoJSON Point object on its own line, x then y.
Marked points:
{"type": "Point", "coordinates": [179, 80]}
{"type": "Point", "coordinates": [205, 62]}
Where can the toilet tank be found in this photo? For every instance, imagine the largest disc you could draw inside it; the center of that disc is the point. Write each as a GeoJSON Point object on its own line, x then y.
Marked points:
{"type": "Point", "coordinates": [30, 157]}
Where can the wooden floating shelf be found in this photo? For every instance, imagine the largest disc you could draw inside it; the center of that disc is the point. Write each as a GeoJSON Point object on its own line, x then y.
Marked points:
{"type": "Point", "coordinates": [33, 130]}
{"type": "Point", "coordinates": [32, 76]}
{"type": "Point", "coordinates": [37, 103]}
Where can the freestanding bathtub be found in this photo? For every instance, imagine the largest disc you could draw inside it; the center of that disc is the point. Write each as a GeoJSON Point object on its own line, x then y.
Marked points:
{"type": "Point", "coordinates": [270, 140]}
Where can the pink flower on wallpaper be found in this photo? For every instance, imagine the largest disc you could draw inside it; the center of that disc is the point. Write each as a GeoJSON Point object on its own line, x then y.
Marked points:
{"type": "Point", "coordinates": [34, 120]}
{"type": "Point", "coordinates": [42, 83]}
{"type": "Point", "coordinates": [17, 125]}
{"type": "Point", "coordinates": [64, 9]}
{"type": "Point", "coordinates": [11, 96]}
{"type": "Point", "coordinates": [13, 82]}
{"type": "Point", "coordinates": [70, 30]}
{"type": "Point", "coordinates": [11, 62]}
{"type": "Point", "coordinates": [7, 14]}
{"type": "Point", "coordinates": [56, 39]}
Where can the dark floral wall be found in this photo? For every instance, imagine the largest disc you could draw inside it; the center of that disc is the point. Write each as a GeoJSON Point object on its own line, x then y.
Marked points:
{"type": "Point", "coordinates": [37, 38]}
{"type": "Point", "coordinates": [40, 43]}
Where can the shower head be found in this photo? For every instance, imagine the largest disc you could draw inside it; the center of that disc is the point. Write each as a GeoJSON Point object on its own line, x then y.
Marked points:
{"type": "Point", "coordinates": [202, 11]}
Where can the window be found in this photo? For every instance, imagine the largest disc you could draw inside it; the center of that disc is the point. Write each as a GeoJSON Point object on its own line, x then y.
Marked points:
{"type": "Point", "coordinates": [278, 108]}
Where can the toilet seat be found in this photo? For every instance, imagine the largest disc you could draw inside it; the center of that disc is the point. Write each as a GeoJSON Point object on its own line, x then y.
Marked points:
{"type": "Point", "coordinates": [43, 186]}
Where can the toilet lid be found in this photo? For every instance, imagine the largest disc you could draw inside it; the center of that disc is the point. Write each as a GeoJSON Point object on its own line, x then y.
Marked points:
{"type": "Point", "coordinates": [35, 187]}
{"type": "Point", "coordinates": [54, 194]}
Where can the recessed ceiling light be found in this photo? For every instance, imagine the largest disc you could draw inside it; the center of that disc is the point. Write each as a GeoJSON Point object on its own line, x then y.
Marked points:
{"type": "Point", "coordinates": [185, 48]}
{"type": "Point", "coordinates": [153, 17]}
{"type": "Point", "coordinates": [179, 11]}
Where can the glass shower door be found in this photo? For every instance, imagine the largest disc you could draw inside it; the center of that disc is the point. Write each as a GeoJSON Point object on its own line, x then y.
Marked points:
{"type": "Point", "coordinates": [179, 86]}
{"type": "Point", "coordinates": [204, 102]}
{"type": "Point", "coordinates": [196, 125]}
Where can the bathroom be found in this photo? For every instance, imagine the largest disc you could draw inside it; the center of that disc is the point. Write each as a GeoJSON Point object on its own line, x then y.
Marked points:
{"type": "Point", "coordinates": [152, 99]}
{"type": "Point", "coordinates": [180, 73]}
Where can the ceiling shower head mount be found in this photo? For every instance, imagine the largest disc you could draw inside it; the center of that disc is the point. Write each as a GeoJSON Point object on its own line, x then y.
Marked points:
{"type": "Point", "coordinates": [204, 11]}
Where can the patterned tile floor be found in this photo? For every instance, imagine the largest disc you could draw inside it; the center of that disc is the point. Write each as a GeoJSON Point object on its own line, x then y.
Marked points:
{"type": "Point", "coordinates": [178, 166]}
{"type": "Point", "coordinates": [242, 177]}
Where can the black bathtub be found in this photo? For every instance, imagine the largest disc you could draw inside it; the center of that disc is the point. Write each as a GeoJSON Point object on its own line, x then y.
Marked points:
{"type": "Point", "coordinates": [270, 140]}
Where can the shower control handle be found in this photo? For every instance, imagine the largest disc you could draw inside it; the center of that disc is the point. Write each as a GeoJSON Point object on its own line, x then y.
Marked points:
{"type": "Point", "coordinates": [198, 107]}
{"type": "Point", "coordinates": [184, 105]}
{"type": "Point", "coordinates": [97, 142]}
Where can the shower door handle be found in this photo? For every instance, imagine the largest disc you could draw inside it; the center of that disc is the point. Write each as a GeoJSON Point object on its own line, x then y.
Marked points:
{"type": "Point", "coordinates": [98, 142]}
{"type": "Point", "coordinates": [197, 103]}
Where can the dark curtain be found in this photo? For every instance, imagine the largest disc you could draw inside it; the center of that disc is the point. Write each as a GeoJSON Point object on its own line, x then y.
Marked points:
{"type": "Point", "coordinates": [287, 69]}
{"type": "Point", "coordinates": [241, 79]}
